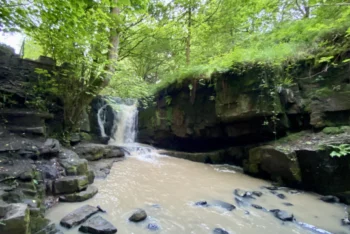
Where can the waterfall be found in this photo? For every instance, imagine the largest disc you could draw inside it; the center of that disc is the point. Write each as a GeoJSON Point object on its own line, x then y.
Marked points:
{"type": "Point", "coordinates": [125, 124]}
{"type": "Point", "coordinates": [101, 119]}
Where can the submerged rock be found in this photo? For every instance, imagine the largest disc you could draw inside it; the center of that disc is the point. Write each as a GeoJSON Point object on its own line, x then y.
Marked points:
{"type": "Point", "coordinates": [98, 225]}
{"type": "Point", "coordinates": [138, 215]}
{"type": "Point", "coordinates": [220, 231]}
{"type": "Point", "coordinates": [257, 207]}
{"type": "Point", "coordinates": [224, 205]}
{"type": "Point", "coordinates": [282, 196]}
{"type": "Point", "coordinates": [201, 203]}
{"type": "Point", "coordinates": [78, 216]}
{"type": "Point", "coordinates": [240, 202]}
{"type": "Point", "coordinates": [152, 227]}
{"type": "Point", "coordinates": [283, 215]}
{"type": "Point", "coordinates": [257, 193]}
{"type": "Point", "coordinates": [242, 193]}
{"type": "Point", "coordinates": [330, 199]}
{"type": "Point", "coordinates": [287, 204]}
{"type": "Point", "coordinates": [313, 228]}
{"type": "Point", "coordinates": [80, 196]}
{"type": "Point", "coordinates": [15, 218]}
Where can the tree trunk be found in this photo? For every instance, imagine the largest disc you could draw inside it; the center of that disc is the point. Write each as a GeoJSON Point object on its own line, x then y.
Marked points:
{"type": "Point", "coordinates": [188, 39]}
{"type": "Point", "coordinates": [113, 47]}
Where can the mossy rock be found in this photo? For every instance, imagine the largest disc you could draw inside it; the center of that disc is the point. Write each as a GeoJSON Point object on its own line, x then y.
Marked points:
{"type": "Point", "coordinates": [86, 136]}
{"type": "Point", "coordinates": [332, 130]}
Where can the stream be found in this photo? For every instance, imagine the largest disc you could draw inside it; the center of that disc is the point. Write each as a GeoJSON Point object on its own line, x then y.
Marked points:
{"type": "Point", "coordinates": [167, 189]}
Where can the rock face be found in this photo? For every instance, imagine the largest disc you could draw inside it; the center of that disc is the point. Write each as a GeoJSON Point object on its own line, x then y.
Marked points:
{"type": "Point", "coordinates": [70, 184]}
{"type": "Point", "coordinates": [15, 218]}
{"type": "Point", "coordinates": [138, 215]}
{"type": "Point", "coordinates": [93, 152]}
{"type": "Point", "coordinates": [80, 196]}
{"type": "Point", "coordinates": [78, 216]}
{"type": "Point", "coordinates": [98, 225]}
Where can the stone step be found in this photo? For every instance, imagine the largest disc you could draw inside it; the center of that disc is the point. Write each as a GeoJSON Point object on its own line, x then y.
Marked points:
{"type": "Point", "coordinates": [78, 216]}
{"type": "Point", "coordinates": [80, 196]}
{"type": "Point", "coordinates": [70, 184]}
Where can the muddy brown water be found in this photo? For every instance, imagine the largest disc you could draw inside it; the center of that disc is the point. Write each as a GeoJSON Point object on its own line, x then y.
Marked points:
{"type": "Point", "coordinates": [167, 188]}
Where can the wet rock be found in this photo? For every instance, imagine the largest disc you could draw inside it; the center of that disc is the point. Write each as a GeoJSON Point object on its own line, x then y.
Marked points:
{"type": "Point", "coordinates": [287, 204]}
{"type": "Point", "coordinates": [330, 199]}
{"type": "Point", "coordinates": [201, 203]}
{"type": "Point", "coordinates": [98, 225]}
{"type": "Point", "coordinates": [313, 228]}
{"type": "Point", "coordinates": [15, 218]}
{"type": "Point", "coordinates": [224, 205]}
{"type": "Point", "coordinates": [242, 193]}
{"type": "Point", "coordinates": [101, 210]}
{"type": "Point", "coordinates": [26, 176]}
{"type": "Point", "coordinates": [284, 215]}
{"type": "Point", "coordinates": [294, 192]}
{"type": "Point", "coordinates": [152, 227]}
{"type": "Point", "coordinates": [257, 207]}
{"type": "Point", "coordinates": [138, 215]}
{"type": "Point", "coordinates": [78, 216]}
{"type": "Point", "coordinates": [70, 184]}
{"type": "Point", "coordinates": [345, 222]}
{"type": "Point", "coordinates": [220, 231]}
{"type": "Point", "coordinates": [80, 196]}
{"type": "Point", "coordinates": [240, 202]}
{"type": "Point", "coordinates": [74, 138]}
{"type": "Point", "coordinates": [91, 176]}
{"type": "Point", "coordinates": [72, 164]}
{"type": "Point", "coordinates": [273, 188]}
{"type": "Point", "coordinates": [49, 229]}
{"type": "Point", "coordinates": [51, 147]}
{"type": "Point", "coordinates": [257, 193]}
{"type": "Point", "coordinates": [282, 196]}
{"type": "Point", "coordinates": [93, 152]}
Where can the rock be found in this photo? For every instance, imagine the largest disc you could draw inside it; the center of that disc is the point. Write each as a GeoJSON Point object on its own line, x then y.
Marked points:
{"type": "Point", "coordinates": [330, 199]}
{"type": "Point", "coordinates": [257, 193]}
{"type": "Point", "coordinates": [275, 162]}
{"type": "Point", "coordinates": [201, 203]}
{"type": "Point", "coordinates": [51, 147]}
{"type": "Point", "coordinates": [283, 215]}
{"type": "Point", "coordinates": [49, 229]}
{"type": "Point", "coordinates": [224, 205]}
{"type": "Point", "coordinates": [80, 196]}
{"type": "Point", "coordinates": [74, 138]}
{"type": "Point", "coordinates": [242, 193]}
{"type": "Point", "coordinates": [282, 196]}
{"type": "Point", "coordinates": [72, 164]}
{"type": "Point", "coordinates": [93, 152]}
{"type": "Point", "coordinates": [240, 202]}
{"type": "Point", "coordinates": [138, 215]}
{"type": "Point", "coordinates": [152, 227]}
{"type": "Point", "coordinates": [26, 176]}
{"type": "Point", "coordinates": [98, 225]}
{"type": "Point", "coordinates": [91, 176]}
{"type": "Point", "coordinates": [345, 222]}
{"type": "Point", "coordinates": [287, 204]}
{"type": "Point", "coordinates": [78, 216]}
{"type": "Point", "coordinates": [70, 184]}
{"type": "Point", "coordinates": [15, 218]}
{"type": "Point", "coordinates": [220, 231]}
{"type": "Point", "coordinates": [272, 188]}
{"type": "Point", "coordinates": [257, 207]}
{"type": "Point", "coordinates": [312, 228]}
{"type": "Point", "coordinates": [101, 210]}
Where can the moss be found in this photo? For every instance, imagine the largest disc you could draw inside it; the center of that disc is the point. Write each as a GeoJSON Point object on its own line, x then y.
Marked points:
{"type": "Point", "coordinates": [332, 130]}
{"type": "Point", "coordinates": [323, 92]}
{"type": "Point", "coordinates": [85, 136]}
{"type": "Point", "coordinates": [252, 165]}
{"type": "Point", "coordinates": [295, 170]}
{"type": "Point", "coordinates": [169, 115]}
{"type": "Point", "coordinates": [290, 138]}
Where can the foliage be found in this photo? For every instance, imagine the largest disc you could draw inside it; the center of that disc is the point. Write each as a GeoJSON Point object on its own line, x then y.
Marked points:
{"type": "Point", "coordinates": [340, 150]}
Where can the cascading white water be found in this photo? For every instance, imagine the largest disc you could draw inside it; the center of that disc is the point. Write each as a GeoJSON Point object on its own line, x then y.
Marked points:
{"type": "Point", "coordinates": [125, 124]}
{"type": "Point", "coordinates": [101, 119]}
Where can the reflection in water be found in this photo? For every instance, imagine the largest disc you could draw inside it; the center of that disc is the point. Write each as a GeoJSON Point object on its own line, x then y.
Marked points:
{"type": "Point", "coordinates": [168, 187]}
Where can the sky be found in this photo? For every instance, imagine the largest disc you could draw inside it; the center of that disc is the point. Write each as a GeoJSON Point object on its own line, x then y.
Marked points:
{"type": "Point", "coordinates": [12, 39]}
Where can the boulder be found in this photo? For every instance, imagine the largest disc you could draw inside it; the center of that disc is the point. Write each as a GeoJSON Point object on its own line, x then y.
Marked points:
{"type": "Point", "coordinates": [220, 231]}
{"type": "Point", "coordinates": [78, 216]}
{"type": "Point", "coordinates": [138, 215]}
{"type": "Point", "coordinates": [283, 215]}
{"type": "Point", "coordinates": [257, 193]}
{"type": "Point", "coordinates": [224, 205]}
{"type": "Point", "coordinates": [330, 199]}
{"type": "Point", "coordinates": [201, 203]}
{"type": "Point", "coordinates": [72, 164]}
{"type": "Point", "coordinates": [51, 147]}
{"type": "Point", "coordinates": [15, 218]}
{"type": "Point", "coordinates": [70, 184]}
{"type": "Point", "coordinates": [98, 225]}
{"type": "Point", "coordinates": [80, 196]}
{"type": "Point", "coordinates": [93, 152]}
{"type": "Point", "coordinates": [278, 164]}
